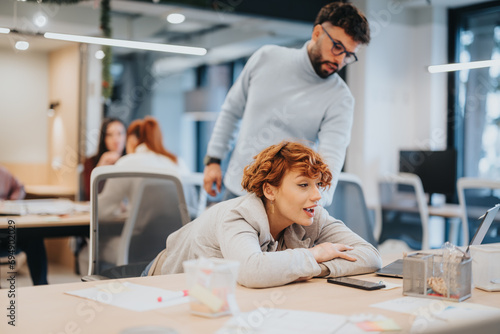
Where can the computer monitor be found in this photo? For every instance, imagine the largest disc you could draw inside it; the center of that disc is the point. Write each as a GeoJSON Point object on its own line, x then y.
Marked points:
{"type": "Point", "coordinates": [436, 169]}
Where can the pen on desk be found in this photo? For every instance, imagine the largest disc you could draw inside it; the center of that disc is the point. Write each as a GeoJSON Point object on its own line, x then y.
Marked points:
{"type": "Point", "coordinates": [173, 295]}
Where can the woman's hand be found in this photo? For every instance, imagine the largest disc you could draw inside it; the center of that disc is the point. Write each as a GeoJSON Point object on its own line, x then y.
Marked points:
{"type": "Point", "coordinates": [328, 251]}
{"type": "Point", "coordinates": [108, 158]}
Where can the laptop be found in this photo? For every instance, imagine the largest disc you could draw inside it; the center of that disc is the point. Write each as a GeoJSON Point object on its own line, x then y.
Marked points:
{"type": "Point", "coordinates": [395, 269]}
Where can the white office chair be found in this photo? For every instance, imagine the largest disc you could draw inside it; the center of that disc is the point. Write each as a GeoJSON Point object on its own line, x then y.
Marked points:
{"type": "Point", "coordinates": [403, 213]}
{"type": "Point", "coordinates": [156, 208]}
{"type": "Point", "coordinates": [475, 196]}
{"type": "Point", "coordinates": [349, 206]}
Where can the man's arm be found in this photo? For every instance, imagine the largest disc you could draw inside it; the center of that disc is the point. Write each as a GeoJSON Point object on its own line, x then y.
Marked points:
{"type": "Point", "coordinates": [226, 126]}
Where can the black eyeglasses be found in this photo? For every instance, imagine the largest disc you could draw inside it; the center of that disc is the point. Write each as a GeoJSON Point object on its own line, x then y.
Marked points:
{"type": "Point", "coordinates": [338, 49]}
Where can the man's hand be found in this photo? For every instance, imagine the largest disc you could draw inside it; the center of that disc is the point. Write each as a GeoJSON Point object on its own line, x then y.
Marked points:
{"type": "Point", "coordinates": [328, 251]}
{"type": "Point", "coordinates": [212, 174]}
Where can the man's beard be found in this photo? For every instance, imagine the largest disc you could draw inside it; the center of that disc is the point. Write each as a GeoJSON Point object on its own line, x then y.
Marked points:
{"type": "Point", "coordinates": [317, 63]}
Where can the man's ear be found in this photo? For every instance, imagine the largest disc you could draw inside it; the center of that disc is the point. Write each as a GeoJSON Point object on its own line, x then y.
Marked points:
{"type": "Point", "coordinates": [316, 32]}
{"type": "Point", "coordinates": [269, 191]}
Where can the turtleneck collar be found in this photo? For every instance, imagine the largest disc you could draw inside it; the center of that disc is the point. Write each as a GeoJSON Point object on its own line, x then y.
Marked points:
{"type": "Point", "coordinates": [307, 67]}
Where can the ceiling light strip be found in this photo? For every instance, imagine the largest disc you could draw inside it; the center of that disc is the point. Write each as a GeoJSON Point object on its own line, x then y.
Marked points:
{"type": "Point", "coordinates": [4, 30]}
{"type": "Point", "coordinates": [128, 44]}
{"type": "Point", "coordinates": [463, 66]}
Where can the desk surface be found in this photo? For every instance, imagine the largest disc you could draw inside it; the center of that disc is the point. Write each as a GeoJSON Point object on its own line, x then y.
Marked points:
{"type": "Point", "coordinates": [446, 210]}
{"type": "Point", "coordinates": [49, 191]}
{"type": "Point", "coordinates": [46, 309]}
{"type": "Point", "coordinates": [31, 221]}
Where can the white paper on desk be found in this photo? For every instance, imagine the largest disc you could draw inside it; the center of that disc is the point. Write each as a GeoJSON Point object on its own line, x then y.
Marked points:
{"type": "Point", "coordinates": [130, 296]}
{"type": "Point", "coordinates": [408, 305]}
{"type": "Point", "coordinates": [422, 306]}
{"type": "Point", "coordinates": [455, 317]}
{"type": "Point", "coordinates": [280, 321]}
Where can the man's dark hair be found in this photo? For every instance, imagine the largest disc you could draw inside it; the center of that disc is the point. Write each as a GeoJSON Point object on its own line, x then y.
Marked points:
{"type": "Point", "coordinates": [347, 17]}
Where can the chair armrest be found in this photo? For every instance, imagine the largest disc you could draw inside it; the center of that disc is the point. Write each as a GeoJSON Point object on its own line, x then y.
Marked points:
{"type": "Point", "coordinates": [91, 278]}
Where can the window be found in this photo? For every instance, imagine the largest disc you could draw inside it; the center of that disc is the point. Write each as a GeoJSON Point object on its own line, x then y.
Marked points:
{"type": "Point", "coordinates": [475, 94]}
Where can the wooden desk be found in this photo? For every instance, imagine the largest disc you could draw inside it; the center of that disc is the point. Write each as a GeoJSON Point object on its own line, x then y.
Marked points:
{"type": "Point", "coordinates": [46, 309]}
{"type": "Point", "coordinates": [49, 191]}
{"type": "Point", "coordinates": [49, 225]}
{"type": "Point", "coordinates": [446, 211]}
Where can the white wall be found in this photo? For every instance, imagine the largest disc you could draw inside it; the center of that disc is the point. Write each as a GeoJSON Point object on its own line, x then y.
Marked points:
{"type": "Point", "coordinates": [398, 104]}
{"type": "Point", "coordinates": [24, 100]}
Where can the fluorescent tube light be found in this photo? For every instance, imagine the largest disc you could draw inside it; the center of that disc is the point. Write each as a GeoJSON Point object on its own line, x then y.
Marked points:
{"type": "Point", "coordinates": [128, 44]}
{"type": "Point", "coordinates": [463, 66]}
{"type": "Point", "coordinates": [4, 30]}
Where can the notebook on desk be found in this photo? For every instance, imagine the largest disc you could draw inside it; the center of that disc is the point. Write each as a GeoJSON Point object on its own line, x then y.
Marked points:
{"type": "Point", "coordinates": [395, 269]}
{"type": "Point", "coordinates": [36, 207]}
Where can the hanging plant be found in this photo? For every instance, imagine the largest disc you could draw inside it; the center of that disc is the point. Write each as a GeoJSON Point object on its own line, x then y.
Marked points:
{"type": "Point", "coordinates": [107, 79]}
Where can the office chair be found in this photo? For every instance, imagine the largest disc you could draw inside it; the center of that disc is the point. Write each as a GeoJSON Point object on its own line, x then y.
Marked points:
{"type": "Point", "coordinates": [349, 206]}
{"type": "Point", "coordinates": [475, 196]}
{"type": "Point", "coordinates": [122, 242]}
{"type": "Point", "coordinates": [403, 213]}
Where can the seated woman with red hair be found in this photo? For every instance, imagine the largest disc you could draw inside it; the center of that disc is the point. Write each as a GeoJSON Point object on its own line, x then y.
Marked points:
{"type": "Point", "coordinates": [277, 232]}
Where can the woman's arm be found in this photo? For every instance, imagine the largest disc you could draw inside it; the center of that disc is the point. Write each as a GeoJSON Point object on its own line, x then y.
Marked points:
{"type": "Point", "coordinates": [334, 232]}
{"type": "Point", "coordinates": [261, 265]}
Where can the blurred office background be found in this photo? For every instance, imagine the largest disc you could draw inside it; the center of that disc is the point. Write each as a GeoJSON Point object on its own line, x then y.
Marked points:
{"type": "Point", "coordinates": [51, 103]}
{"type": "Point", "coordinates": [51, 93]}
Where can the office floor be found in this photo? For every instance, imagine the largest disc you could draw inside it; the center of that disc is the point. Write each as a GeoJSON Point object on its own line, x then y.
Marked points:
{"type": "Point", "coordinates": [57, 274]}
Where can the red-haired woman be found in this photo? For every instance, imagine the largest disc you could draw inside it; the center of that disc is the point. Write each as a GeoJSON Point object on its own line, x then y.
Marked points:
{"type": "Point", "coordinates": [277, 231]}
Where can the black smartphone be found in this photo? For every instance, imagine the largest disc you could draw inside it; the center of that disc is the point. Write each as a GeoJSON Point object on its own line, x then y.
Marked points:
{"type": "Point", "coordinates": [356, 283]}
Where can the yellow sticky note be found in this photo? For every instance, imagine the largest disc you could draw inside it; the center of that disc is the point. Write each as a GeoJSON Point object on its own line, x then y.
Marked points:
{"type": "Point", "coordinates": [206, 296]}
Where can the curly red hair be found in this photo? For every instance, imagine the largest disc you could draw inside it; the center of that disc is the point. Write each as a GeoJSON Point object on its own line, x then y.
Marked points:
{"type": "Point", "coordinates": [271, 165]}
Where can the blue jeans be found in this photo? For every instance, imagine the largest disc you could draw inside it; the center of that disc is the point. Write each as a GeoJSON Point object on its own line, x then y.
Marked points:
{"type": "Point", "coordinates": [146, 270]}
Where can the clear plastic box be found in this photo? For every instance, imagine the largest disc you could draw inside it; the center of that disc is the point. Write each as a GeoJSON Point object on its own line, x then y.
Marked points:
{"type": "Point", "coordinates": [433, 276]}
{"type": "Point", "coordinates": [486, 266]}
{"type": "Point", "coordinates": [211, 284]}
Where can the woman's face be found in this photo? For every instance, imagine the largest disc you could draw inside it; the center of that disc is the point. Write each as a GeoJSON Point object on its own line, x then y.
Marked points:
{"type": "Point", "coordinates": [132, 143]}
{"type": "Point", "coordinates": [296, 199]}
{"type": "Point", "coordinates": [115, 137]}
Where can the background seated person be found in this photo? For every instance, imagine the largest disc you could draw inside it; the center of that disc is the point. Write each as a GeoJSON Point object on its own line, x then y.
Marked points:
{"type": "Point", "coordinates": [34, 247]}
{"type": "Point", "coordinates": [277, 231]}
{"type": "Point", "coordinates": [111, 148]}
{"type": "Point", "coordinates": [144, 149]}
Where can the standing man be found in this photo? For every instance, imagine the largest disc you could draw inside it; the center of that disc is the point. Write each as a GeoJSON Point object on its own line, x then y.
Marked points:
{"type": "Point", "coordinates": [290, 94]}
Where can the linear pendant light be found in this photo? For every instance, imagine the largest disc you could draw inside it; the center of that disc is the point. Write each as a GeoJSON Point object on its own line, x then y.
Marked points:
{"type": "Point", "coordinates": [128, 44]}
{"type": "Point", "coordinates": [463, 66]}
{"type": "Point", "coordinates": [4, 30]}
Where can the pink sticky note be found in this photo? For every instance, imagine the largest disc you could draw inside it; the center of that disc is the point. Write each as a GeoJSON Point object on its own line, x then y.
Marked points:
{"type": "Point", "coordinates": [377, 326]}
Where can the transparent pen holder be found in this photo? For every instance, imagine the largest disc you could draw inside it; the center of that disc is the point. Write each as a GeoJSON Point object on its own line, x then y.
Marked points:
{"type": "Point", "coordinates": [485, 266]}
{"type": "Point", "coordinates": [433, 276]}
{"type": "Point", "coordinates": [211, 284]}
